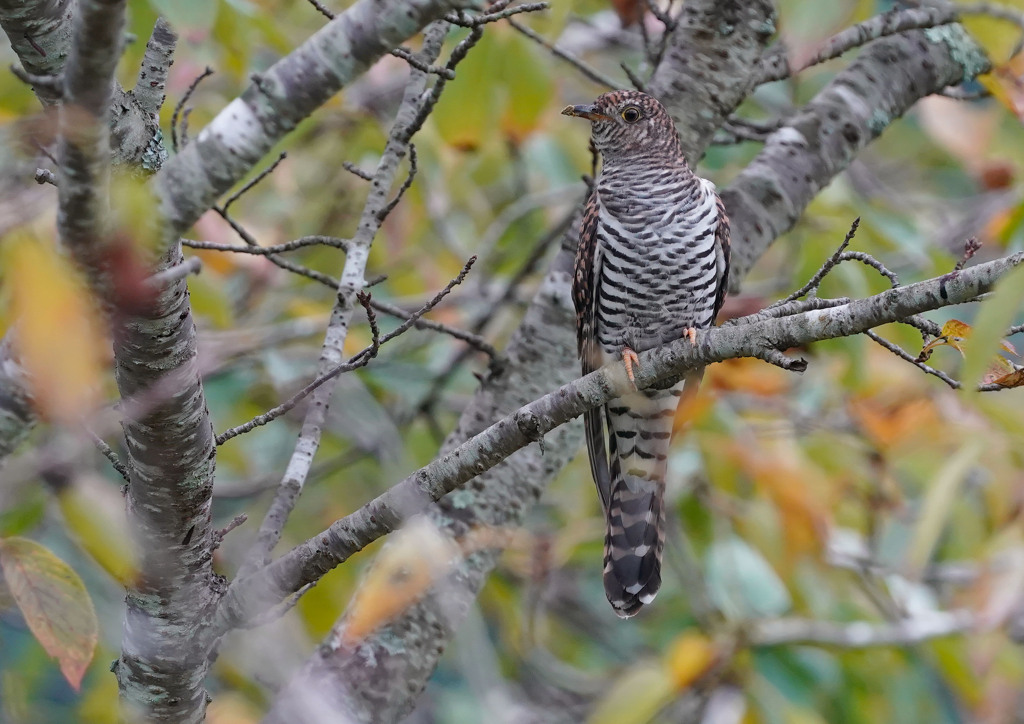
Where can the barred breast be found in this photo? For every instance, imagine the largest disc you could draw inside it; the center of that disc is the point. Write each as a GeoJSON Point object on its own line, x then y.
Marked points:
{"type": "Point", "coordinates": [658, 264]}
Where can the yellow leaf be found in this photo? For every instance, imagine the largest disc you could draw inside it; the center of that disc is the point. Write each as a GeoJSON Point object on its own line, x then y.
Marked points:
{"type": "Point", "coordinates": [689, 657]}
{"type": "Point", "coordinates": [58, 335]}
{"type": "Point", "coordinates": [412, 560]}
{"type": "Point", "coordinates": [636, 697]}
{"type": "Point", "coordinates": [54, 602]}
{"type": "Point", "coordinates": [94, 512]}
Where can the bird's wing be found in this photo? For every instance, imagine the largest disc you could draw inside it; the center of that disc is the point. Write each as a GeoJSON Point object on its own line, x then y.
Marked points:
{"type": "Point", "coordinates": [585, 289]}
{"type": "Point", "coordinates": [723, 252]}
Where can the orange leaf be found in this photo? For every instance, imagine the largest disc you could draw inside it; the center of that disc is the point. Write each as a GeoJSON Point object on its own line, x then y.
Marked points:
{"type": "Point", "coordinates": [413, 559]}
{"type": "Point", "coordinates": [689, 657]}
{"type": "Point", "coordinates": [54, 602]}
{"type": "Point", "coordinates": [749, 375]}
{"type": "Point", "coordinates": [1014, 379]}
{"type": "Point", "coordinates": [888, 425]}
{"type": "Point", "coordinates": [955, 334]}
{"type": "Point", "coordinates": [58, 331]}
{"type": "Point", "coordinates": [780, 471]}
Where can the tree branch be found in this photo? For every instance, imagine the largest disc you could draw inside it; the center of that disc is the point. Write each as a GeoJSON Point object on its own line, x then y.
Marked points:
{"type": "Point", "coordinates": [709, 64]}
{"type": "Point", "coordinates": [40, 34]}
{"type": "Point", "coordinates": [774, 64]}
{"type": "Point", "coordinates": [352, 283]}
{"type": "Point", "coordinates": [289, 91]}
{"type": "Point", "coordinates": [152, 80]}
{"type": "Point", "coordinates": [306, 563]}
{"type": "Point", "coordinates": [84, 156]}
{"type": "Point", "coordinates": [820, 140]}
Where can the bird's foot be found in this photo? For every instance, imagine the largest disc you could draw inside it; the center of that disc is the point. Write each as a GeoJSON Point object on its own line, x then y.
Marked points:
{"type": "Point", "coordinates": [691, 334]}
{"type": "Point", "coordinates": [629, 359]}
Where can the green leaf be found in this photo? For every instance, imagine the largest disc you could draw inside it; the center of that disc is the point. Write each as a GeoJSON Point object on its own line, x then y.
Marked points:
{"type": "Point", "coordinates": [465, 114]}
{"type": "Point", "coordinates": [54, 602]}
{"type": "Point", "coordinates": [742, 584]}
{"type": "Point", "coordinates": [993, 318]}
{"type": "Point", "coordinates": [939, 501]}
{"type": "Point", "coordinates": [530, 86]}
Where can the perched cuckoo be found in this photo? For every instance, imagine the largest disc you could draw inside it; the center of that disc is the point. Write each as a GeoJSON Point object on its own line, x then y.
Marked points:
{"type": "Point", "coordinates": [651, 267]}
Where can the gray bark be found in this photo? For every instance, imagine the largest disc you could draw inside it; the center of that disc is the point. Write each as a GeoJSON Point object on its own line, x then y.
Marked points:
{"type": "Point", "coordinates": [40, 34]}
{"type": "Point", "coordinates": [707, 68]}
{"type": "Point", "coordinates": [821, 139]}
{"type": "Point", "coordinates": [16, 414]}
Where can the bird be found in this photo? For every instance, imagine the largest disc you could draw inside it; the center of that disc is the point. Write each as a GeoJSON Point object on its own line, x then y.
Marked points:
{"type": "Point", "coordinates": [652, 266]}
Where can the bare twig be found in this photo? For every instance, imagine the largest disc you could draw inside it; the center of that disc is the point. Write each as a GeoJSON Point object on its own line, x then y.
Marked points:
{"type": "Point", "coordinates": [300, 243]}
{"type": "Point", "coordinates": [360, 359]}
{"type": "Point", "coordinates": [777, 358]}
{"type": "Point", "coordinates": [45, 176]}
{"type": "Point", "coordinates": [255, 180]}
{"type": "Point", "coordinates": [971, 247]}
{"type": "Point", "coordinates": [115, 461]}
{"type": "Point", "coordinates": [788, 309]}
{"type": "Point", "coordinates": [872, 262]}
{"type": "Point", "coordinates": [356, 171]}
{"type": "Point", "coordinates": [321, 9]}
{"type": "Point", "coordinates": [815, 281]}
{"type": "Point", "coordinates": [409, 58]}
{"type": "Point", "coordinates": [162, 279]}
{"type": "Point", "coordinates": [474, 21]}
{"type": "Point", "coordinates": [54, 84]}
{"type": "Point", "coordinates": [475, 341]}
{"type": "Point", "coordinates": [285, 264]}
{"type": "Point", "coordinates": [775, 63]}
{"type": "Point", "coordinates": [217, 537]}
{"type": "Point", "coordinates": [565, 55]}
{"type": "Point", "coordinates": [633, 78]}
{"type": "Point", "coordinates": [207, 72]}
{"type": "Point", "coordinates": [663, 16]}
{"type": "Point", "coordinates": [383, 213]}
{"type": "Point", "coordinates": [904, 355]}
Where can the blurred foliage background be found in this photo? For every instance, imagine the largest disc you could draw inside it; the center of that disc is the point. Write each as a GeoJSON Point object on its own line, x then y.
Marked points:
{"type": "Point", "coordinates": [862, 490]}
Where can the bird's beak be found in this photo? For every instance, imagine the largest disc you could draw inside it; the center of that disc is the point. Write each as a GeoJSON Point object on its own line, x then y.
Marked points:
{"type": "Point", "coordinates": [586, 111]}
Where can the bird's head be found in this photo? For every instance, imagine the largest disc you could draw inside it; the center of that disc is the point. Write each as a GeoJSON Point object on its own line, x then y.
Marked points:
{"type": "Point", "coordinates": [629, 123]}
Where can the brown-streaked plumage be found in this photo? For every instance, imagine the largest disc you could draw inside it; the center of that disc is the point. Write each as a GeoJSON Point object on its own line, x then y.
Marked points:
{"type": "Point", "coordinates": [652, 266]}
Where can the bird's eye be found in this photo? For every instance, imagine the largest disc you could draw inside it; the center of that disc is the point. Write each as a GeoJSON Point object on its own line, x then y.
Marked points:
{"type": "Point", "coordinates": [631, 114]}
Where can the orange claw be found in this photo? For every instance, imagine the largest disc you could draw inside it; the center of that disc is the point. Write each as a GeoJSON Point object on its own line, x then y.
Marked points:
{"type": "Point", "coordinates": [691, 334]}
{"type": "Point", "coordinates": [629, 359]}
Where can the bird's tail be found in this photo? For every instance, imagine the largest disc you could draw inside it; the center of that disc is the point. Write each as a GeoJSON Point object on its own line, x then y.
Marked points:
{"type": "Point", "coordinates": [639, 437]}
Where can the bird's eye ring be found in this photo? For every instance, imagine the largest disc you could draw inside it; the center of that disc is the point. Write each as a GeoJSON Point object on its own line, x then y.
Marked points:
{"type": "Point", "coordinates": [631, 114]}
